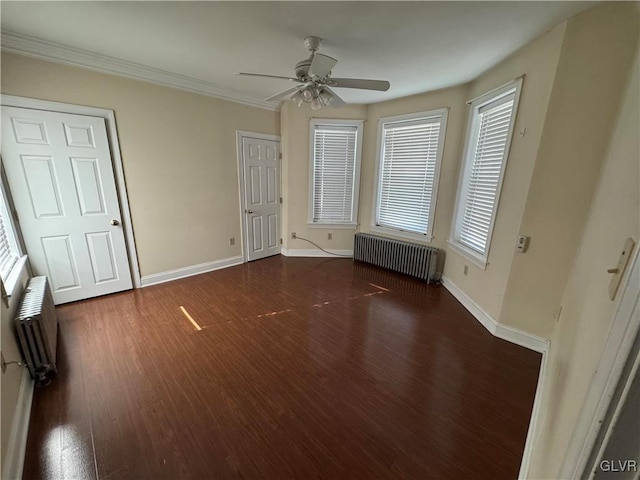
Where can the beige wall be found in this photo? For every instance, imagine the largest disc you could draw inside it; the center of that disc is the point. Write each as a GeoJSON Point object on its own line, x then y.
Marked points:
{"type": "Point", "coordinates": [295, 179]}
{"type": "Point", "coordinates": [295, 147]}
{"type": "Point", "coordinates": [588, 312]}
{"type": "Point", "coordinates": [598, 49]}
{"type": "Point", "coordinates": [180, 164]}
{"type": "Point", "coordinates": [537, 61]}
{"type": "Point", "coordinates": [9, 381]}
{"type": "Point", "coordinates": [178, 151]}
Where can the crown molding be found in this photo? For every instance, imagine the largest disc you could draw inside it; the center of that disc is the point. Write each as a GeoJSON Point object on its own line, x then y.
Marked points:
{"type": "Point", "coordinates": [12, 42]}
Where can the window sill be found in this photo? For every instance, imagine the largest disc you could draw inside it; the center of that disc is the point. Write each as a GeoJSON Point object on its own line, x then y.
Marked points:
{"type": "Point", "coordinates": [14, 277]}
{"type": "Point", "coordinates": [338, 226]}
{"type": "Point", "coordinates": [402, 234]}
{"type": "Point", "coordinates": [470, 255]}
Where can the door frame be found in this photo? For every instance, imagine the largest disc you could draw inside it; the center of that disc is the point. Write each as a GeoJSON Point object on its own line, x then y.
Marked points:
{"type": "Point", "coordinates": [240, 134]}
{"type": "Point", "coordinates": [615, 355]}
{"type": "Point", "coordinates": [116, 162]}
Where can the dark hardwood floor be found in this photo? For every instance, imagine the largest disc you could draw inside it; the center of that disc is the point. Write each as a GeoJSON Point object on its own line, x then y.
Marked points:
{"type": "Point", "coordinates": [304, 367]}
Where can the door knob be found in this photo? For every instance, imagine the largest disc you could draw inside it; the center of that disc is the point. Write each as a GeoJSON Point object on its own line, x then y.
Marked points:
{"type": "Point", "coordinates": [115, 222]}
{"type": "Point", "coordinates": [249, 211]}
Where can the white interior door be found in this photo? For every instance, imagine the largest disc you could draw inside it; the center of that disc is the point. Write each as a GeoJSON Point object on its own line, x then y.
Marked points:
{"type": "Point", "coordinates": [61, 177]}
{"type": "Point", "coordinates": [261, 161]}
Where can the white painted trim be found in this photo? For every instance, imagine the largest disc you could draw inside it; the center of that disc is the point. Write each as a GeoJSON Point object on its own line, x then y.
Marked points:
{"type": "Point", "coordinates": [506, 332]}
{"type": "Point", "coordinates": [391, 232]}
{"type": "Point", "coordinates": [240, 134]}
{"type": "Point", "coordinates": [443, 113]}
{"type": "Point", "coordinates": [468, 254]}
{"type": "Point", "coordinates": [118, 170]}
{"type": "Point", "coordinates": [56, 52]}
{"type": "Point", "coordinates": [519, 337]}
{"type": "Point", "coordinates": [472, 130]}
{"type": "Point", "coordinates": [334, 226]}
{"type": "Point", "coordinates": [312, 252]}
{"type": "Point", "coordinates": [522, 338]}
{"type": "Point", "coordinates": [615, 411]}
{"type": "Point", "coordinates": [14, 276]}
{"type": "Point", "coordinates": [13, 461]}
{"type": "Point", "coordinates": [486, 320]}
{"type": "Point", "coordinates": [184, 272]}
{"type": "Point", "coordinates": [260, 136]}
{"type": "Point", "coordinates": [535, 420]}
{"type": "Point", "coordinates": [615, 353]}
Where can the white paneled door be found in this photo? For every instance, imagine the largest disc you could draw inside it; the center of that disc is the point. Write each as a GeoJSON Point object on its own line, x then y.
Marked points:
{"type": "Point", "coordinates": [261, 160]}
{"type": "Point", "coordinates": [61, 177]}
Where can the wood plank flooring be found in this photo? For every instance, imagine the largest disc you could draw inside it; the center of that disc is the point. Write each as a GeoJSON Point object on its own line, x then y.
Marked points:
{"type": "Point", "coordinates": [304, 368]}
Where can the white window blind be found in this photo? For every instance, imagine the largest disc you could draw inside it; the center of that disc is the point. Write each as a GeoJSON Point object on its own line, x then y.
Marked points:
{"type": "Point", "coordinates": [8, 249]}
{"type": "Point", "coordinates": [409, 163]}
{"type": "Point", "coordinates": [335, 156]}
{"type": "Point", "coordinates": [487, 161]}
{"type": "Point", "coordinates": [491, 125]}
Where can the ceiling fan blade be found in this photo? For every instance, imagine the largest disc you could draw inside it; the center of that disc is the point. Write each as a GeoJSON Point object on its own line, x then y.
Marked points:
{"type": "Point", "coordinates": [381, 85]}
{"type": "Point", "coordinates": [282, 95]}
{"type": "Point", "coordinates": [321, 65]}
{"type": "Point", "coordinates": [336, 101]}
{"type": "Point", "coordinates": [268, 76]}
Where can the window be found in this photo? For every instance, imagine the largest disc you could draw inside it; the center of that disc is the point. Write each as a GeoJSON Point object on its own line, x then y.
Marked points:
{"type": "Point", "coordinates": [336, 147]}
{"type": "Point", "coordinates": [489, 133]}
{"type": "Point", "coordinates": [410, 153]}
{"type": "Point", "coordinates": [9, 252]}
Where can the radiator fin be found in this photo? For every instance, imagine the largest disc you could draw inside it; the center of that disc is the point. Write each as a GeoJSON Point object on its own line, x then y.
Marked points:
{"type": "Point", "coordinates": [37, 329]}
{"type": "Point", "coordinates": [411, 259]}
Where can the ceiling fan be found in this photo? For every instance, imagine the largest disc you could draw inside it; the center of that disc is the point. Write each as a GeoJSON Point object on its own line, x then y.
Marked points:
{"type": "Point", "coordinates": [314, 76]}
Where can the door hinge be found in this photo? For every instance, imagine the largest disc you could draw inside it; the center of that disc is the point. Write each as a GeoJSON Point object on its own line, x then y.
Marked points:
{"type": "Point", "coordinates": [280, 155]}
{"type": "Point", "coordinates": [15, 216]}
{"type": "Point", "coordinates": [280, 241]}
{"type": "Point", "coordinates": [281, 200]}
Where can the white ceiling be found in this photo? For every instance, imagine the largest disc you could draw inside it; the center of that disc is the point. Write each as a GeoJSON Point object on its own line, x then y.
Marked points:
{"type": "Point", "coordinates": [417, 46]}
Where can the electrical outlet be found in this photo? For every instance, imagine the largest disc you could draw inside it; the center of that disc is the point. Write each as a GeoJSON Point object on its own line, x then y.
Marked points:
{"type": "Point", "coordinates": [3, 363]}
{"type": "Point", "coordinates": [293, 235]}
{"type": "Point", "coordinates": [522, 244]}
{"type": "Point", "coordinates": [466, 269]}
{"type": "Point", "coordinates": [232, 240]}
{"type": "Point", "coordinates": [330, 236]}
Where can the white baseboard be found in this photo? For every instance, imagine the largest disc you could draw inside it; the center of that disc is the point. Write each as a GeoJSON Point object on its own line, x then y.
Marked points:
{"type": "Point", "coordinates": [178, 273]}
{"type": "Point", "coordinates": [313, 252]}
{"type": "Point", "coordinates": [535, 421]}
{"type": "Point", "coordinates": [522, 338]}
{"type": "Point", "coordinates": [506, 332]}
{"type": "Point", "coordinates": [13, 462]}
{"type": "Point", "coordinates": [519, 337]}
{"type": "Point", "coordinates": [486, 320]}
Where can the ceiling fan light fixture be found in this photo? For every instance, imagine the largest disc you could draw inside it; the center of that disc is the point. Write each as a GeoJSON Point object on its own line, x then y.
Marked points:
{"type": "Point", "coordinates": [307, 95]}
{"type": "Point", "coordinates": [316, 104]}
{"type": "Point", "coordinates": [326, 98]}
{"type": "Point", "coordinates": [297, 98]}
{"type": "Point", "coordinates": [313, 76]}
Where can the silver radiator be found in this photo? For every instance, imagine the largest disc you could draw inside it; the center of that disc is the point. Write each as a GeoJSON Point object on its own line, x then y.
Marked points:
{"type": "Point", "coordinates": [404, 257]}
{"type": "Point", "coordinates": [37, 330]}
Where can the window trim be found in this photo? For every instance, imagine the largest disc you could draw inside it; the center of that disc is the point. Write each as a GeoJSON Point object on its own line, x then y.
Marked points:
{"type": "Point", "coordinates": [11, 226]}
{"type": "Point", "coordinates": [443, 113]}
{"type": "Point", "coordinates": [515, 86]}
{"type": "Point", "coordinates": [359, 124]}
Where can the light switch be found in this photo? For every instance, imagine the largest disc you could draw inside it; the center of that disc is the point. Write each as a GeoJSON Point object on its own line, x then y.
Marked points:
{"type": "Point", "coordinates": [618, 271]}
